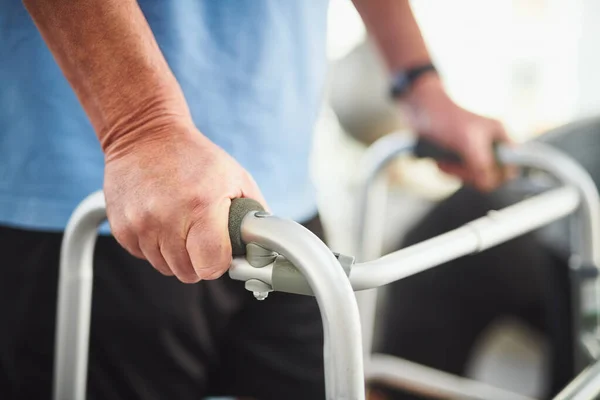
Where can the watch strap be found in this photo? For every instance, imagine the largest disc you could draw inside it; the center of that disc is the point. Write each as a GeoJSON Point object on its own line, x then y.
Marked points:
{"type": "Point", "coordinates": [404, 80]}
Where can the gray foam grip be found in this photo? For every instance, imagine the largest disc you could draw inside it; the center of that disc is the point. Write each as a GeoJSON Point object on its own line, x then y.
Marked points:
{"type": "Point", "coordinates": [238, 210]}
{"type": "Point", "coordinates": [425, 148]}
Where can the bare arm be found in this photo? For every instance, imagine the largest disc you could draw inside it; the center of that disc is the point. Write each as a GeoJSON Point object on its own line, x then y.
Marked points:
{"type": "Point", "coordinates": [395, 30]}
{"type": "Point", "coordinates": [431, 111]}
{"type": "Point", "coordinates": [108, 54]}
{"type": "Point", "coordinates": [167, 187]}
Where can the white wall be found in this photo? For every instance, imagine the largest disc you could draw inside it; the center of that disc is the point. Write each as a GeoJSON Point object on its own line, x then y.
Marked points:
{"type": "Point", "coordinates": [534, 64]}
{"type": "Point", "coordinates": [588, 82]}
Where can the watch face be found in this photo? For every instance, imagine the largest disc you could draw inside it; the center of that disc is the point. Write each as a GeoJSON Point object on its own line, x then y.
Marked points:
{"type": "Point", "coordinates": [401, 79]}
{"type": "Point", "coordinates": [400, 85]}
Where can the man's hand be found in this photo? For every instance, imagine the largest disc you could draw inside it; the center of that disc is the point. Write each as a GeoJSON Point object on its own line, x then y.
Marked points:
{"type": "Point", "coordinates": [436, 117]}
{"type": "Point", "coordinates": [167, 187]}
{"type": "Point", "coordinates": [432, 113]}
{"type": "Point", "coordinates": [168, 194]}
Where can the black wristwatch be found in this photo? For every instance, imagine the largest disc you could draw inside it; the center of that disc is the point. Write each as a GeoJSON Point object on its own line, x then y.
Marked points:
{"type": "Point", "coordinates": [403, 80]}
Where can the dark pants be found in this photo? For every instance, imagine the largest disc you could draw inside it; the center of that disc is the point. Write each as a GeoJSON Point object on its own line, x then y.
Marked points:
{"type": "Point", "coordinates": [153, 337]}
{"type": "Point", "coordinates": [435, 317]}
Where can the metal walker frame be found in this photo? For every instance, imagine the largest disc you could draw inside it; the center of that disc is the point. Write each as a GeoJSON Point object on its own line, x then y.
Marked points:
{"type": "Point", "coordinates": [368, 244]}
{"type": "Point", "coordinates": [301, 263]}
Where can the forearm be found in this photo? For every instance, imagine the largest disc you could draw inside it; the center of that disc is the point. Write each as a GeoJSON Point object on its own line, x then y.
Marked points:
{"type": "Point", "coordinates": [393, 26]}
{"type": "Point", "coordinates": [431, 112]}
{"type": "Point", "coordinates": [109, 55]}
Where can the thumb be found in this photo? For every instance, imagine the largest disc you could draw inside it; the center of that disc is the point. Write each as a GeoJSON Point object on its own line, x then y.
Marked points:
{"type": "Point", "coordinates": [207, 241]}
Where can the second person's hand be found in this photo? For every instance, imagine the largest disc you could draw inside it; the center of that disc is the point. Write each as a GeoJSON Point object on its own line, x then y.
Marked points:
{"type": "Point", "coordinates": [436, 117]}
{"type": "Point", "coordinates": [168, 193]}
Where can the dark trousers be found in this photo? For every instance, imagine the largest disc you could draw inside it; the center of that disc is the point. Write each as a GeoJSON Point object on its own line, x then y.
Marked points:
{"type": "Point", "coordinates": [153, 337]}
{"type": "Point", "coordinates": [435, 317]}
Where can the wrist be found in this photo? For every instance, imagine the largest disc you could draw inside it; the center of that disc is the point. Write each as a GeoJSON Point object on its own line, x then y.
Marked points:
{"type": "Point", "coordinates": [154, 121]}
{"type": "Point", "coordinates": [424, 90]}
{"type": "Point", "coordinates": [429, 85]}
{"type": "Point", "coordinates": [145, 117]}
{"type": "Point", "coordinates": [426, 84]}
{"type": "Point", "coordinates": [425, 97]}
{"type": "Point", "coordinates": [404, 79]}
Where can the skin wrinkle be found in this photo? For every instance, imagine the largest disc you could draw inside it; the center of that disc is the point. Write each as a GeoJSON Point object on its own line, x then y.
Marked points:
{"type": "Point", "coordinates": [158, 261]}
{"type": "Point", "coordinates": [152, 148]}
{"type": "Point", "coordinates": [111, 59]}
{"type": "Point", "coordinates": [167, 187]}
{"type": "Point", "coordinates": [162, 176]}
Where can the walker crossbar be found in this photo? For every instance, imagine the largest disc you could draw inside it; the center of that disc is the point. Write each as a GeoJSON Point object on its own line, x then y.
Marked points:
{"type": "Point", "coordinates": [343, 345]}
{"type": "Point", "coordinates": [584, 237]}
{"type": "Point", "coordinates": [308, 260]}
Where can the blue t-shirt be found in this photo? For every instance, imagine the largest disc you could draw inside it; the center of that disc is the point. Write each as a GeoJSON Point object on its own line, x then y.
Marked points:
{"type": "Point", "coordinates": [252, 72]}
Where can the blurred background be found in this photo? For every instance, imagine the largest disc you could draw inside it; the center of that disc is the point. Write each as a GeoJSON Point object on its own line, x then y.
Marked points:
{"type": "Point", "coordinates": [533, 64]}
{"type": "Point", "coordinates": [530, 63]}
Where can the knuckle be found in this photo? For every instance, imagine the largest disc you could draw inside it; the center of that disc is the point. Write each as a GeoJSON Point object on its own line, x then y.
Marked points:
{"type": "Point", "coordinates": [127, 239]}
{"type": "Point", "coordinates": [148, 218]}
{"type": "Point", "coordinates": [140, 221]}
{"type": "Point", "coordinates": [197, 204]}
{"type": "Point", "coordinates": [121, 233]}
